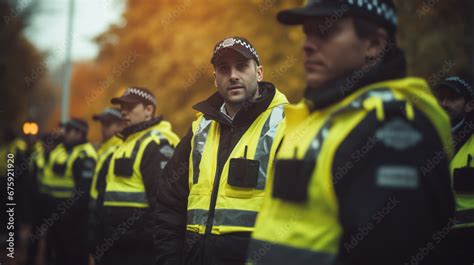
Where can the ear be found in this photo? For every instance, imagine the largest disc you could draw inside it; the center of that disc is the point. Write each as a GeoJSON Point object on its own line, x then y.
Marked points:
{"type": "Point", "coordinates": [469, 106]}
{"type": "Point", "coordinates": [149, 110]}
{"type": "Point", "coordinates": [377, 44]}
{"type": "Point", "coordinates": [259, 73]}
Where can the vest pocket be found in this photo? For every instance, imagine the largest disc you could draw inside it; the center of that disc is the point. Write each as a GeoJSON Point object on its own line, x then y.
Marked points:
{"type": "Point", "coordinates": [243, 173]}
{"type": "Point", "coordinates": [123, 167]}
{"type": "Point", "coordinates": [59, 169]}
{"type": "Point", "coordinates": [291, 179]}
{"type": "Point", "coordinates": [463, 180]}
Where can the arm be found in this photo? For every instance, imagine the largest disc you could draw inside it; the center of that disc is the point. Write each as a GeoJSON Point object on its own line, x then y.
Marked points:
{"type": "Point", "coordinates": [83, 172]}
{"type": "Point", "coordinates": [172, 198]}
{"type": "Point", "coordinates": [393, 199]}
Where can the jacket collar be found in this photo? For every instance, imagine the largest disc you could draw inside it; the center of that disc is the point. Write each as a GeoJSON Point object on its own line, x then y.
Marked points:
{"type": "Point", "coordinates": [125, 133]}
{"type": "Point", "coordinates": [211, 106]}
{"type": "Point", "coordinates": [70, 146]}
{"type": "Point", "coordinates": [393, 66]}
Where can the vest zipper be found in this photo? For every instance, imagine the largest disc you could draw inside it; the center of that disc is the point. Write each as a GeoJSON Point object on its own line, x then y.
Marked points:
{"type": "Point", "coordinates": [215, 189]}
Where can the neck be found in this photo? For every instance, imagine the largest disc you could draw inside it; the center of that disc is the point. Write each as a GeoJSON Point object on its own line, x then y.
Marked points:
{"type": "Point", "coordinates": [232, 109]}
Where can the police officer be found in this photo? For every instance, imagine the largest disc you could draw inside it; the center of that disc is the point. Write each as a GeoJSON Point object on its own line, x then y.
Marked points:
{"type": "Point", "coordinates": [361, 176]}
{"type": "Point", "coordinates": [456, 96]}
{"type": "Point", "coordinates": [110, 123]}
{"type": "Point", "coordinates": [68, 176]}
{"type": "Point", "coordinates": [40, 158]}
{"type": "Point", "coordinates": [213, 187]}
{"type": "Point", "coordinates": [135, 167]}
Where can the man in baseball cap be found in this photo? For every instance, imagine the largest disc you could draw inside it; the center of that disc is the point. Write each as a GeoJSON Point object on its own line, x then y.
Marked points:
{"type": "Point", "coordinates": [110, 123]}
{"type": "Point", "coordinates": [456, 96]}
{"type": "Point", "coordinates": [137, 105]}
{"type": "Point", "coordinates": [355, 147]}
{"type": "Point", "coordinates": [70, 173]}
{"type": "Point", "coordinates": [136, 164]}
{"type": "Point", "coordinates": [207, 208]}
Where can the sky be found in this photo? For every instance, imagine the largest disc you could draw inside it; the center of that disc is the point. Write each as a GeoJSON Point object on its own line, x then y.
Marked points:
{"type": "Point", "coordinates": [48, 27]}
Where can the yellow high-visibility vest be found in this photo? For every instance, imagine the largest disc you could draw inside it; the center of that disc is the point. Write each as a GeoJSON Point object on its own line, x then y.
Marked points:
{"type": "Point", "coordinates": [309, 232]}
{"type": "Point", "coordinates": [463, 175]}
{"type": "Point", "coordinates": [107, 148]}
{"type": "Point", "coordinates": [236, 205]}
{"type": "Point", "coordinates": [125, 186]}
{"type": "Point", "coordinates": [39, 160]}
{"type": "Point", "coordinates": [58, 178]}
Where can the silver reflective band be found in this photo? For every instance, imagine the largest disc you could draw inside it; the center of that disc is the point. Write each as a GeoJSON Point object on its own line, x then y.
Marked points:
{"type": "Point", "coordinates": [383, 93]}
{"type": "Point", "coordinates": [397, 177]}
{"type": "Point", "coordinates": [398, 134]}
{"type": "Point", "coordinates": [198, 148]}
{"type": "Point", "coordinates": [265, 142]}
{"type": "Point", "coordinates": [122, 196]}
{"type": "Point", "coordinates": [223, 217]}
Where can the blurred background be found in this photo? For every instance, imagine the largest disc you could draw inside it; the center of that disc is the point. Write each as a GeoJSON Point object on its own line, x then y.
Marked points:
{"type": "Point", "coordinates": [96, 48]}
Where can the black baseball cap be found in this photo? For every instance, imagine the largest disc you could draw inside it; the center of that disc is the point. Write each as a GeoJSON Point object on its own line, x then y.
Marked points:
{"type": "Point", "coordinates": [459, 84]}
{"type": "Point", "coordinates": [136, 95]}
{"type": "Point", "coordinates": [381, 12]}
{"type": "Point", "coordinates": [108, 114]}
{"type": "Point", "coordinates": [77, 124]}
{"type": "Point", "coordinates": [238, 44]}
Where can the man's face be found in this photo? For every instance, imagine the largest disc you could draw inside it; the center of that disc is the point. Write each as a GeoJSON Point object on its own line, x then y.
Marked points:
{"type": "Point", "coordinates": [331, 52]}
{"type": "Point", "coordinates": [134, 113]}
{"type": "Point", "coordinates": [72, 135]}
{"type": "Point", "coordinates": [236, 77]}
{"type": "Point", "coordinates": [453, 103]}
{"type": "Point", "coordinates": [109, 128]}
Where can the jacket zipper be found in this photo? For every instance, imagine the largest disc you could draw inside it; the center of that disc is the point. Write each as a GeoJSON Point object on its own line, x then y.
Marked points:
{"type": "Point", "coordinates": [215, 188]}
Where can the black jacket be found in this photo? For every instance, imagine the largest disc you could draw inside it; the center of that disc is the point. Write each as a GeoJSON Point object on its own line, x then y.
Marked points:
{"type": "Point", "coordinates": [172, 242]}
{"type": "Point", "coordinates": [130, 228]}
{"type": "Point", "coordinates": [424, 211]}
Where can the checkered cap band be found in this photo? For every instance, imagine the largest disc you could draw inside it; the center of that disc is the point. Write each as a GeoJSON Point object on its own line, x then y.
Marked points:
{"type": "Point", "coordinates": [462, 82]}
{"type": "Point", "coordinates": [140, 93]}
{"type": "Point", "coordinates": [234, 41]}
{"type": "Point", "coordinates": [377, 7]}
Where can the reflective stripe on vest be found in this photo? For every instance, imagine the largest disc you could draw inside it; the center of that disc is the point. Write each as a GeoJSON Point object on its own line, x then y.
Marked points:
{"type": "Point", "coordinates": [280, 255]}
{"type": "Point", "coordinates": [464, 217]}
{"type": "Point", "coordinates": [62, 186]}
{"type": "Point", "coordinates": [316, 145]}
{"type": "Point", "coordinates": [122, 196]}
{"type": "Point", "coordinates": [310, 231]}
{"type": "Point", "coordinates": [130, 191]}
{"type": "Point", "coordinates": [223, 217]}
{"type": "Point", "coordinates": [235, 207]}
{"type": "Point", "coordinates": [130, 197]}
{"type": "Point", "coordinates": [265, 142]}
{"type": "Point", "coordinates": [199, 142]}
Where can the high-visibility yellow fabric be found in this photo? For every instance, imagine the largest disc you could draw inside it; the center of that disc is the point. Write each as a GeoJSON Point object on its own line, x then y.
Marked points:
{"type": "Point", "coordinates": [464, 201]}
{"type": "Point", "coordinates": [236, 207]}
{"type": "Point", "coordinates": [129, 191]}
{"type": "Point", "coordinates": [105, 150]}
{"type": "Point", "coordinates": [313, 226]}
{"type": "Point", "coordinates": [59, 180]}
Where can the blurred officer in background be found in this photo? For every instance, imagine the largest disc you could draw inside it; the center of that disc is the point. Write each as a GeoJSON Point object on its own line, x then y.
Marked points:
{"type": "Point", "coordinates": [354, 181]}
{"type": "Point", "coordinates": [110, 123]}
{"type": "Point", "coordinates": [456, 96]}
{"type": "Point", "coordinates": [213, 187]}
{"type": "Point", "coordinates": [131, 181]}
{"type": "Point", "coordinates": [68, 177]}
{"type": "Point", "coordinates": [39, 195]}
